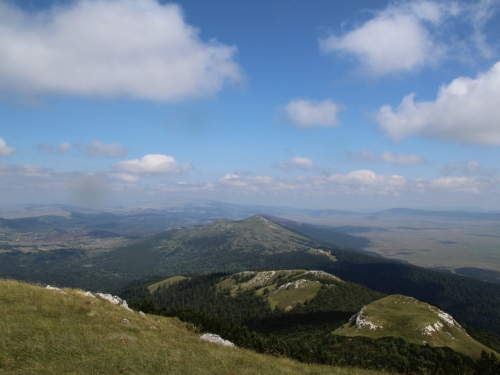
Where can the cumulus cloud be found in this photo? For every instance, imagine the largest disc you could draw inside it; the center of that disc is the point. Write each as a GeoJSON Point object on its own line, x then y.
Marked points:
{"type": "Point", "coordinates": [396, 39]}
{"type": "Point", "coordinates": [296, 162]}
{"type": "Point", "coordinates": [4, 149]}
{"type": "Point", "coordinates": [357, 184]}
{"type": "Point", "coordinates": [305, 113]}
{"type": "Point", "coordinates": [366, 182]}
{"type": "Point", "coordinates": [148, 165]}
{"type": "Point", "coordinates": [458, 184]}
{"type": "Point", "coordinates": [110, 150]}
{"type": "Point", "coordinates": [409, 35]}
{"type": "Point", "coordinates": [465, 111]}
{"type": "Point", "coordinates": [386, 156]}
{"type": "Point", "coordinates": [113, 48]}
{"type": "Point", "coordinates": [361, 182]}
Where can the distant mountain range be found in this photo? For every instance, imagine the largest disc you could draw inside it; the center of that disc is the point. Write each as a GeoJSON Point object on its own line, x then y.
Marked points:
{"type": "Point", "coordinates": [198, 209]}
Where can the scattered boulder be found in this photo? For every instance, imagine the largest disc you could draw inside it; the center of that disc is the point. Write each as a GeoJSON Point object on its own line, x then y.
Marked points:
{"type": "Point", "coordinates": [216, 339]}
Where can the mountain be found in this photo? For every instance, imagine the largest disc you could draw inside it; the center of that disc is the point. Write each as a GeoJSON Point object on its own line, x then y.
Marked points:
{"type": "Point", "coordinates": [414, 321]}
{"type": "Point", "coordinates": [222, 246]}
{"type": "Point", "coordinates": [65, 331]}
{"type": "Point", "coordinates": [328, 235]}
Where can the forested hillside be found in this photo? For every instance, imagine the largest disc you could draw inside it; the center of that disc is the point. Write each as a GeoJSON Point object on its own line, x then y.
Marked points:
{"type": "Point", "coordinates": [239, 309]}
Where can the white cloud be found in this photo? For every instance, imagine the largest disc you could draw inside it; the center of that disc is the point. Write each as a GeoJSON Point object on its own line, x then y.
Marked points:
{"type": "Point", "coordinates": [247, 181]}
{"type": "Point", "coordinates": [362, 182]}
{"type": "Point", "coordinates": [4, 149]}
{"type": "Point", "coordinates": [409, 35]}
{"type": "Point", "coordinates": [350, 187]}
{"type": "Point", "coordinates": [296, 162]}
{"type": "Point", "coordinates": [65, 147]}
{"type": "Point", "coordinates": [396, 39]}
{"type": "Point", "coordinates": [110, 150]}
{"type": "Point", "coordinates": [308, 113]}
{"type": "Point", "coordinates": [112, 48]}
{"type": "Point", "coordinates": [466, 111]}
{"type": "Point", "coordinates": [458, 184]}
{"type": "Point", "coordinates": [148, 165]}
{"type": "Point", "coordinates": [410, 159]}
{"type": "Point", "coordinates": [479, 14]}
{"type": "Point", "coordinates": [386, 156]}
{"type": "Point", "coordinates": [19, 181]}
{"type": "Point", "coordinates": [367, 182]}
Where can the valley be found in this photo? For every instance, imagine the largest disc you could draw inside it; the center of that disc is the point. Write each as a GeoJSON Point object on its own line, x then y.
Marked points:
{"type": "Point", "coordinates": [465, 243]}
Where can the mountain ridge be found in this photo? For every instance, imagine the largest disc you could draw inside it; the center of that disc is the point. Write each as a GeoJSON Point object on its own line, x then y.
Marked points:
{"type": "Point", "coordinates": [414, 321]}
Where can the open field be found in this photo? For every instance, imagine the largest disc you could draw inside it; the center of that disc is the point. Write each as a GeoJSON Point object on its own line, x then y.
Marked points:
{"type": "Point", "coordinates": [431, 242]}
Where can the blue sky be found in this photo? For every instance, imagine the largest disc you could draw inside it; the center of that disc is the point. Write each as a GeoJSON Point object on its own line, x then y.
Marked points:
{"type": "Point", "coordinates": [322, 104]}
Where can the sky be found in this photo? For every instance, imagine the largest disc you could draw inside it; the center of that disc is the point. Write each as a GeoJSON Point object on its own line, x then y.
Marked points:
{"type": "Point", "coordinates": [312, 104]}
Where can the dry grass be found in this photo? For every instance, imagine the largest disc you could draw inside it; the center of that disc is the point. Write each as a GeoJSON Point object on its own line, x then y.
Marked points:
{"type": "Point", "coordinates": [45, 332]}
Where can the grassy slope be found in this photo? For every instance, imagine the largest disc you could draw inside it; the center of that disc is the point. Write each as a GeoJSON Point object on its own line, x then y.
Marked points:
{"type": "Point", "coordinates": [406, 317]}
{"type": "Point", "coordinates": [45, 332]}
{"type": "Point", "coordinates": [153, 287]}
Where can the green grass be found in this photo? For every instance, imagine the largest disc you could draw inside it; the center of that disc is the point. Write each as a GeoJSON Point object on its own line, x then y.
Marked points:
{"type": "Point", "coordinates": [45, 332]}
{"type": "Point", "coordinates": [284, 289]}
{"type": "Point", "coordinates": [406, 317]}
{"type": "Point", "coordinates": [287, 298]}
{"type": "Point", "coordinates": [153, 287]}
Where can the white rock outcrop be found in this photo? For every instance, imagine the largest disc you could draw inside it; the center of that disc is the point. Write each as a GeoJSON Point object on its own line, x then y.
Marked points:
{"type": "Point", "coordinates": [299, 284]}
{"type": "Point", "coordinates": [115, 300]}
{"type": "Point", "coordinates": [216, 339]}
{"type": "Point", "coordinates": [362, 321]}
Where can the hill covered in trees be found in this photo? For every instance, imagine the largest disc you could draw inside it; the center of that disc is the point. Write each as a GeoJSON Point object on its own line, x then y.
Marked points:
{"type": "Point", "coordinates": [294, 313]}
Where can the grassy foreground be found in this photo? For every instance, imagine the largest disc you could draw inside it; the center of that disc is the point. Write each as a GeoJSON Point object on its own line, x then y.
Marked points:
{"type": "Point", "coordinates": [46, 332]}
